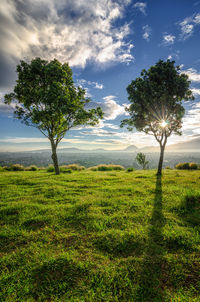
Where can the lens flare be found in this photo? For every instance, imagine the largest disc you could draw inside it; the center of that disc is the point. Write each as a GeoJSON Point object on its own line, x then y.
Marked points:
{"type": "Point", "coordinates": [163, 124]}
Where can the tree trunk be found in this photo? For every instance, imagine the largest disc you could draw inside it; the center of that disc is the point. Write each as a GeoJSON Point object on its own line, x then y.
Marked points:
{"type": "Point", "coordinates": [162, 149]}
{"type": "Point", "coordinates": [54, 158]}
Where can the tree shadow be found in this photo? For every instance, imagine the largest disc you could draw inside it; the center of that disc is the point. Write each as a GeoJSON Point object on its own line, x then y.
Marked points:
{"type": "Point", "coordinates": [152, 277]}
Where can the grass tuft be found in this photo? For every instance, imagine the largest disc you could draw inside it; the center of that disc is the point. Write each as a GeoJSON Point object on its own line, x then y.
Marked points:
{"type": "Point", "coordinates": [107, 168]}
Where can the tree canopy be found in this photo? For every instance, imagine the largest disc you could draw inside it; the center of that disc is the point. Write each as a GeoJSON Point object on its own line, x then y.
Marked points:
{"type": "Point", "coordinates": [156, 102]}
{"type": "Point", "coordinates": [46, 98]}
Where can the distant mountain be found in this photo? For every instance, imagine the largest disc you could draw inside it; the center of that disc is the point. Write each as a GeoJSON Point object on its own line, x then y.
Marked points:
{"type": "Point", "coordinates": [80, 150]}
{"type": "Point", "coordinates": [192, 145]}
{"type": "Point", "coordinates": [70, 150]}
{"type": "Point", "coordinates": [99, 149]}
{"type": "Point", "coordinates": [58, 150]}
{"type": "Point", "coordinates": [131, 148]}
{"type": "Point", "coordinates": [189, 146]}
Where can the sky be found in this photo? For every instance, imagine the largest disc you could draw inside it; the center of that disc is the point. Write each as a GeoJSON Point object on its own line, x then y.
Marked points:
{"type": "Point", "coordinates": [107, 44]}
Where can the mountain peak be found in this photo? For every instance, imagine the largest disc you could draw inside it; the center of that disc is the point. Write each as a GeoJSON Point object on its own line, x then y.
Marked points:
{"type": "Point", "coordinates": [131, 148]}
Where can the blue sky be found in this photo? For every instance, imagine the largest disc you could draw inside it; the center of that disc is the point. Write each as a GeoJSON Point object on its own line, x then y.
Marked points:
{"type": "Point", "coordinates": [107, 43]}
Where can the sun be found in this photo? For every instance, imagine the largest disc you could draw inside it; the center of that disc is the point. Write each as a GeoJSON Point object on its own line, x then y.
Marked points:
{"type": "Point", "coordinates": [163, 124]}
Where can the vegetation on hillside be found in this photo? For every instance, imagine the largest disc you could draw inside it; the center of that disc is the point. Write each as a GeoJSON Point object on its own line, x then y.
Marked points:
{"type": "Point", "coordinates": [100, 236]}
{"type": "Point", "coordinates": [111, 167]}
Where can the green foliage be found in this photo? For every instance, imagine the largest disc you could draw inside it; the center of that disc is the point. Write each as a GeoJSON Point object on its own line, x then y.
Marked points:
{"type": "Point", "coordinates": [65, 170]}
{"type": "Point", "coordinates": [7, 168]}
{"type": "Point", "coordinates": [155, 97]}
{"type": "Point", "coordinates": [2, 169]}
{"type": "Point", "coordinates": [193, 166]}
{"type": "Point", "coordinates": [88, 236]}
{"type": "Point", "coordinates": [186, 166]}
{"type": "Point", "coordinates": [107, 168]}
{"type": "Point", "coordinates": [17, 167]}
{"type": "Point", "coordinates": [141, 159]}
{"type": "Point", "coordinates": [48, 100]}
{"type": "Point", "coordinates": [156, 102]}
{"type": "Point", "coordinates": [31, 168]}
{"type": "Point", "coordinates": [73, 167]}
{"type": "Point", "coordinates": [50, 168]}
{"type": "Point", "coordinates": [130, 169]}
{"type": "Point", "coordinates": [182, 166]}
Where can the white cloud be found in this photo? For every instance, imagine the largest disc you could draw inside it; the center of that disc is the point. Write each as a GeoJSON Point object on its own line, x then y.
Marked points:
{"type": "Point", "coordinates": [168, 39]}
{"type": "Point", "coordinates": [191, 121]}
{"type": "Point", "coordinates": [111, 109]}
{"type": "Point", "coordinates": [109, 106]}
{"type": "Point", "coordinates": [174, 55]}
{"type": "Point", "coordinates": [95, 85]}
{"type": "Point", "coordinates": [99, 132]}
{"type": "Point", "coordinates": [187, 30]}
{"type": "Point", "coordinates": [98, 86]}
{"type": "Point", "coordinates": [6, 108]}
{"type": "Point", "coordinates": [73, 31]}
{"type": "Point", "coordinates": [192, 74]}
{"type": "Point", "coordinates": [195, 91]}
{"type": "Point", "coordinates": [141, 6]}
{"type": "Point", "coordinates": [111, 126]}
{"type": "Point", "coordinates": [147, 32]}
{"type": "Point", "coordinates": [197, 19]}
{"type": "Point", "coordinates": [187, 26]}
{"type": "Point", "coordinates": [83, 83]}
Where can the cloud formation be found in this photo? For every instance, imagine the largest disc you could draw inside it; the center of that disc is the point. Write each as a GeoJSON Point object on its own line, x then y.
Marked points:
{"type": "Point", "coordinates": [196, 91]}
{"type": "Point", "coordinates": [193, 75]}
{"type": "Point", "coordinates": [174, 55]}
{"type": "Point", "coordinates": [187, 26]}
{"type": "Point", "coordinates": [146, 32]}
{"type": "Point", "coordinates": [141, 6]}
{"type": "Point", "coordinates": [191, 121]}
{"type": "Point", "coordinates": [168, 39]}
{"type": "Point", "coordinates": [111, 109]}
{"type": "Point", "coordinates": [74, 31]}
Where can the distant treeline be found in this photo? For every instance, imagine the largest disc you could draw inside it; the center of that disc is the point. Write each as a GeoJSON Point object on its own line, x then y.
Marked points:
{"type": "Point", "coordinates": [89, 159]}
{"type": "Point", "coordinates": [76, 167]}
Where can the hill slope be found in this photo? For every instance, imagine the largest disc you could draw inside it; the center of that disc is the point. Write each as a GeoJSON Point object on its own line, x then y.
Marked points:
{"type": "Point", "coordinates": [100, 236]}
{"type": "Point", "coordinates": [191, 145]}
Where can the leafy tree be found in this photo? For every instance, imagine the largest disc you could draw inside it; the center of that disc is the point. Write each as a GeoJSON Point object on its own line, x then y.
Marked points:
{"type": "Point", "coordinates": [141, 159]}
{"type": "Point", "coordinates": [47, 99]}
{"type": "Point", "coordinates": [156, 103]}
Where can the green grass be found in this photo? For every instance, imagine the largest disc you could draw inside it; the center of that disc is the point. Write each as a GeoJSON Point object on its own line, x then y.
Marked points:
{"type": "Point", "coordinates": [100, 236]}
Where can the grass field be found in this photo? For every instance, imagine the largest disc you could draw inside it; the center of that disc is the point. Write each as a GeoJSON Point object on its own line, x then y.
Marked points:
{"type": "Point", "coordinates": [100, 236]}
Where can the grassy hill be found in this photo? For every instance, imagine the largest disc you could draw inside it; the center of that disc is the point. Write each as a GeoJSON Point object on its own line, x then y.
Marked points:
{"type": "Point", "coordinates": [100, 236]}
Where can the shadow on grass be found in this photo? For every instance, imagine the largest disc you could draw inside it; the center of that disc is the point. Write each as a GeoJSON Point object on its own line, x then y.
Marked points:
{"type": "Point", "coordinates": [152, 278]}
{"type": "Point", "coordinates": [189, 209]}
{"type": "Point", "coordinates": [57, 277]}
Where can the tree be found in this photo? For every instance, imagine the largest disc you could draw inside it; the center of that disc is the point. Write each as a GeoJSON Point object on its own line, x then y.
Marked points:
{"type": "Point", "coordinates": [48, 100]}
{"type": "Point", "coordinates": [141, 159]}
{"type": "Point", "coordinates": [156, 103]}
